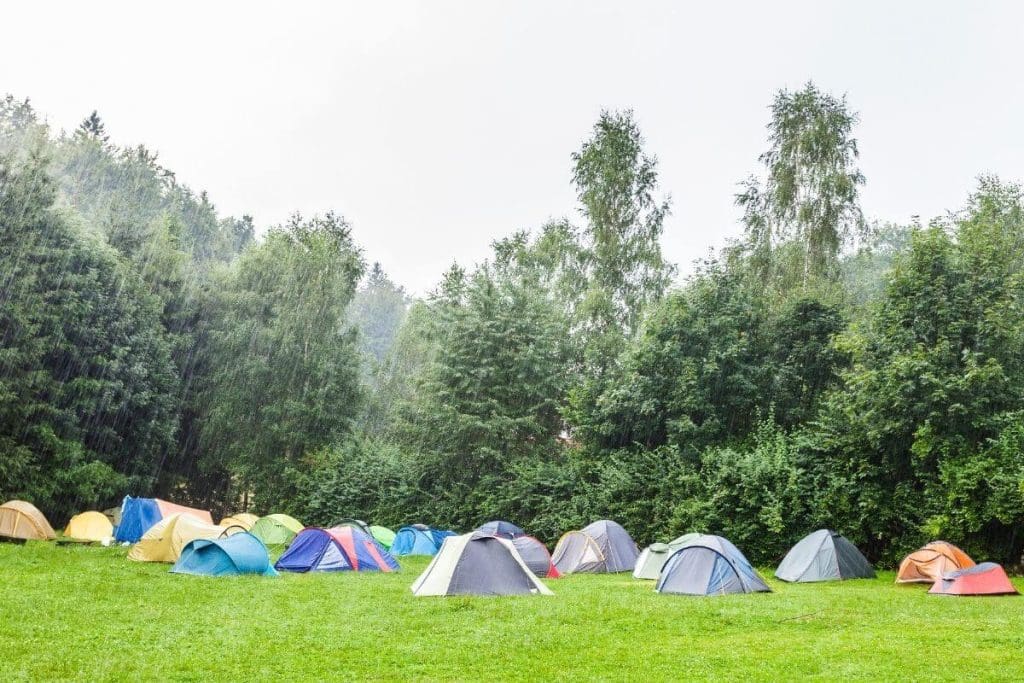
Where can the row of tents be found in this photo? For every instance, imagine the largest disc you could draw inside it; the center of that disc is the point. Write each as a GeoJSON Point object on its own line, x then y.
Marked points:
{"type": "Point", "coordinates": [497, 558]}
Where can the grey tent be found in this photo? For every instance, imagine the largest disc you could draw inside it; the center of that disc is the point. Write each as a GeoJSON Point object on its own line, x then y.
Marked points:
{"type": "Point", "coordinates": [536, 556]}
{"type": "Point", "coordinates": [603, 546]}
{"type": "Point", "coordinates": [478, 564]}
{"type": "Point", "coordinates": [711, 565]}
{"type": "Point", "coordinates": [653, 557]}
{"type": "Point", "coordinates": [824, 556]}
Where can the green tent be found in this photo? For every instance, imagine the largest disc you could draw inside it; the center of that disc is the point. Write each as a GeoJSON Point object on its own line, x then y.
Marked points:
{"type": "Point", "coordinates": [654, 556]}
{"type": "Point", "coordinates": [276, 529]}
{"type": "Point", "coordinates": [384, 535]}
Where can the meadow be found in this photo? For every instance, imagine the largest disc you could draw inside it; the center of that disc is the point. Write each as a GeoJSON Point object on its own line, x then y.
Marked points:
{"type": "Point", "coordinates": [87, 613]}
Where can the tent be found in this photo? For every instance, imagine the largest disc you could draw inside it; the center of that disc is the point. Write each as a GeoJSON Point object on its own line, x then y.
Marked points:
{"type": "Point", "coordinates": [603, 546]}
{"type": "Point", "coordinates": [478, 564]}
{"type": "Point", "coordinates": [501, 529]}
{"type": "Point", "coordinates": [357, 523]}
{"type": "Point", "coordinates": [653, 557]}
{"type": "Point", "coordinates": [536, 556]}
{"type": "Point", "coordinates": [276, 529]}
{"type": "Point", "coordinates": [824, 555]}
{"type": "Point", "coordinates": [711, 565]}
{"type": "Point", "coordinates": [166, 539]}
{"type": "Point", "coordinates": [240, 519]}
{"type": "Point", "coordinates": [24, 521]}
{"type": "Point", "coordinates": [139, 514]}
{"type": "Point", "coordinates": [241, 553]}
{"type": "Point", "coordinates": [987, 578]}
{"type": "Point", "coordinates": [382, 535]}
{"type": "Point", "coordinates": [89, 526]}
{"type": "Point", "coordinates": [342, 548]}
{"type": "Point", "coordinates": [114, 515]}
{"type": "Point", "coordinates": [928, 564]}
{"type": "Point", "coordinates": [418, 539]}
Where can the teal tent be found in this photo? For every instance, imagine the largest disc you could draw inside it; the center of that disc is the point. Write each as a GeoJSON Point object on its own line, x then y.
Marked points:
{"type": "Point", "coordinates": [237, 554]}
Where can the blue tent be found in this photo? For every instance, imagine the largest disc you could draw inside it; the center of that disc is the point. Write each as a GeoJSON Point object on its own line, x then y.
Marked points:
{"type": "Point", "coordinates": [342, 548]}
{"type": "Point", "coordinates": [137, 515]}
{"type": "Point", "coordinates": [238, 554]}
{"type": "Point", "coordinates": [418, 539]}
{"type": "Point", "coordinates": [439, 535]}
{"type": "Point", "coordinates": [709, 565]}
{"type": "Point", "coordinates": [501, 528]}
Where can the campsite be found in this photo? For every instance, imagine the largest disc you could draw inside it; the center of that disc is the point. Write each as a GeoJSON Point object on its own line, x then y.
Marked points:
{"type": "Point", "coordinates": [539, 340]}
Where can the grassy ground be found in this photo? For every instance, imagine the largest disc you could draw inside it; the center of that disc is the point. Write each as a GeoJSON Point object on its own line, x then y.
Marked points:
{"type": "Point", "coordinates": [87, 613]}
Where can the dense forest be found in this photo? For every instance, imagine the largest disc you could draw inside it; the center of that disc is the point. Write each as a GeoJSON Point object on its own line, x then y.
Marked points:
{"type": "Point", "coordinates": [824, 370]}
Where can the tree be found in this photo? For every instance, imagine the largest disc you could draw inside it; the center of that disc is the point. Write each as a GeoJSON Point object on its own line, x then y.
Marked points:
{"type": "Point", "coordinates": [625, 269]}
{"type": "Point", "coordinates": [377, 312]}
{"type": "Point", "coordinates": [920, 440]}
{"type": "Point", "coordinates": [93, 127]}
{"type": "Point", "coordinates": [488, 399]}
{"type": "Point", "coordinates": [810, 192]}
{"type": "Point", "coordinates": [87, 384]}
{"type": "Point", "coordinates": [284, 365]}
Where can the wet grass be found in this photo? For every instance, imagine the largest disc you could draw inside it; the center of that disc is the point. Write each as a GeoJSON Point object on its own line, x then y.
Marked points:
{"type": "Point", "coordinates": [86, 613]}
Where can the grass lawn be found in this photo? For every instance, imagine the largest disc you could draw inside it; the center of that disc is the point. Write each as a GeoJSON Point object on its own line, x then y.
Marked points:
{"type": "Point", "coordinates": [87, 613]}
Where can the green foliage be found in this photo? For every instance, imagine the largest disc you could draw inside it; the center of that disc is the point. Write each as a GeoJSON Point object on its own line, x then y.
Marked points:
{"type": "Point", "coordinates": [625, 270]}
{"type": "Point", "coordinates": [810, 193]}
{"type": "Point", "coordinates": [935, 385]}
{"type": "Point", "coordinates": [284, 365]}
{"type": "Point", "coordinates": [377, 311]}
{"type": "Point", "coordinates": [87, 383]}
{"type": "Point", "coordinates": [489, 395]}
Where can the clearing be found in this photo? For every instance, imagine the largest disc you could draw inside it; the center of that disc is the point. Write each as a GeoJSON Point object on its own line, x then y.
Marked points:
{"type": "Point", "coordinates": [87, 613]}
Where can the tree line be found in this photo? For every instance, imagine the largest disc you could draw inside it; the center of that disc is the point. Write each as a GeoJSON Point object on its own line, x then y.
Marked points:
{"type": "Point", "coordinates": [823, 370]}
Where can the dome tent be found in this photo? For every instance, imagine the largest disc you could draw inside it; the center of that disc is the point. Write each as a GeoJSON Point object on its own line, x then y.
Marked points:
{"type": "Point", "coordinates": [241, 553]}
{"type": "Point", "coordinates": [342, 548]}
{"type": "Point", "coordinates": [501, 529]}
{"type": "Point", "coordinates": [165, 540]}
{"type": "Point", "coordinates": [89, 526]}
{"type": "Point", "coordinates": [711, 565]}
{"type": "Point", "coordinates": [536, 556]}
{"type": "Point", "coordinates": [24, 521]}
{"type": "Point", "coordinates": [824, 555]}
{"type": "Point", "coordinates": [245, 520]}
{"type": "Point", "coordinates": [276, 529]}
{"type": "Point", "coordinates": [418, 539]}
{"type": "Point", "coordinates": [478, 564]}
{"type": "Point", "coordinates": [382, 535]}
{"type": "Point", "coordinates": [653, 557]}
{"type": "Point", "coordinates": [603, 546]}
{"type": "Point", "coordinates": [987, 578]}
{"type": "Point", "coordinates": [928, 564]}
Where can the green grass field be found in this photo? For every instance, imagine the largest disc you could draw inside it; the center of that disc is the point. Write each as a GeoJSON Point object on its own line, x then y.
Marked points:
{"type": "Point", "coordinates": [87, 613]}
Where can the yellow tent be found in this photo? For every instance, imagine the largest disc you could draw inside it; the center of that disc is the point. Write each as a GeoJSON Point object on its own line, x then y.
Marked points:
{"type": "Point", "coordinates": [19, 519]}
{"type": "Point", "coordinates": [167, 538]}
{"type": "Point", "coordinates": [242, 519]}
{"type": "Point", "coordinates": [89, 526]}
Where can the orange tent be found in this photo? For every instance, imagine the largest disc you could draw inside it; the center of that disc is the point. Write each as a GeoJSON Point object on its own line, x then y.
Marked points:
{"type": "Point", "coordinates": [19, 519]}
{"type": "Point", "coordinates": [987, 578]}
{"type": "Point", "coordinates": [928, 564]}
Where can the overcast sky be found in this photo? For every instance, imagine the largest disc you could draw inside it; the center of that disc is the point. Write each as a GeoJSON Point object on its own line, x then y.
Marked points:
{"type": "Point", "coordinates": [436, 127]}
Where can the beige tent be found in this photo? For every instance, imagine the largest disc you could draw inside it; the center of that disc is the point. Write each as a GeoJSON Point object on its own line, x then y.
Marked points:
{"type": "Point", "coordinates": [89, 526]}
{"type": "Point", "coordinates": [167, 538]}
{"type": "Point", "coordinates": [19, 519]}
{"type": "Point", "coordinates": [242, 519]}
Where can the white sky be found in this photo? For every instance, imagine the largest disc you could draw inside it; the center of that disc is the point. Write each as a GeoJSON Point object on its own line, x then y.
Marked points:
{"type": "Point", "coordinates": [436, 127]}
